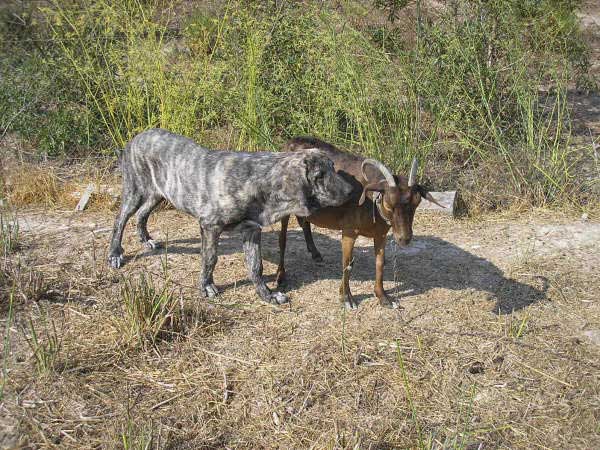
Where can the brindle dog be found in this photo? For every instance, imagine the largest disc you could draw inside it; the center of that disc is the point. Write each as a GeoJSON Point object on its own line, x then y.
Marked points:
{"type": "Point", "coordinates": [224, 190]}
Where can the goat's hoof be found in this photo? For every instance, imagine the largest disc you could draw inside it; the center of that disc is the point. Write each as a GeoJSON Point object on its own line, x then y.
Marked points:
{"type": "Point", "coordinates": [280, 279]}
{"type": "Point", "coordinates": [278, 298]}
{"type": "Point", "coordinates": [317, 258]}
{"type": "Point", "coordinates": [115, 261]}
{"type": "Point", "coordinates": [209, 291]}
{"type": "Point", "coordinates": [349, 303]}
{"type": "Point", "coordinates": [152, 244]}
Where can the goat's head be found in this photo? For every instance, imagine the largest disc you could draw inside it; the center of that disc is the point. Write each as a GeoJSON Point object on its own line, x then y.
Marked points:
{"type": "Point", "coordinates": [399, 198]}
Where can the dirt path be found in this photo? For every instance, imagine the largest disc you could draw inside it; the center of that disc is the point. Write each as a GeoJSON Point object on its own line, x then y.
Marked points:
{"type": "Point", "coordinates": [458, 254]}
{"type": "Point", "coordinates": [501, 314]}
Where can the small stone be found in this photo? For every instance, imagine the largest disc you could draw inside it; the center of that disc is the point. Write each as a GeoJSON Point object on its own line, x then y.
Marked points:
{"type": "Point", "coordinates": [476, 367]}
{"type": "Point", "coordinates": [593, 336]}
{"type": "Point", "coordinates": [585, 217]}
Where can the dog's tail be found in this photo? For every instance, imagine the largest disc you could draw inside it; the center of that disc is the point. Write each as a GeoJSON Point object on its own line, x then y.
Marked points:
{"type": "Point", "coordinates": [119, 154]}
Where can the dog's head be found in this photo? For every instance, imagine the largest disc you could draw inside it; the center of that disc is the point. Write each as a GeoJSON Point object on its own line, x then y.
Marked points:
{"type": "Point", "coordinates": [321, 185]}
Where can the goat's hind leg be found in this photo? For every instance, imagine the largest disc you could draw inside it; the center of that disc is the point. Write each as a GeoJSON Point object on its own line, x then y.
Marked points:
{"type": "Point", "coordinates": [251, 235]}
{"type": "Point", "coordinates": [143, 214]}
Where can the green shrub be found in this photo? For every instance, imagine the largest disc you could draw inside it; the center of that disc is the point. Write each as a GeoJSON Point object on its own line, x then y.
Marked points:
{"type": "Point", "coordinates": [38, 102]}
{"type": "Point", "coordinates": [499, 116]}
{"type": "Point", "coordinates": [480, 90]}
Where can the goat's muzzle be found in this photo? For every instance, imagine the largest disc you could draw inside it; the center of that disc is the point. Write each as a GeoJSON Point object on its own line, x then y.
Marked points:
{"type": "Point", "coordinates": [402, 240]}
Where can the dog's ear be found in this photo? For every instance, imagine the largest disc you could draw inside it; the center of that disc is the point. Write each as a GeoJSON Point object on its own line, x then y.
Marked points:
{"type": "Point", "coordinates": [316, 166]}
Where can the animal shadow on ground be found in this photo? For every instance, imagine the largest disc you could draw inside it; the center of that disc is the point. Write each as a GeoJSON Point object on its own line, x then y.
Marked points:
{"type": "Point", "coordinates": [427, 263]}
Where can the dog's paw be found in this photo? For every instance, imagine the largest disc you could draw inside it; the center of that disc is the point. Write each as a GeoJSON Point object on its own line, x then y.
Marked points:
{"type": "Point", "coordinates": [115, 261]}
{"type": "Point", "coordinates": [152, 244]}
{"type": "Point", "coordinates": [278, 298]}
{"type": "Point", "coordinates": [209, 291]}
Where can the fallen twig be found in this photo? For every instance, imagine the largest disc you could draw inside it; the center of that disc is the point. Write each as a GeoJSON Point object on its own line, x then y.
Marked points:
{"type": "Point", "coordinates": [544, 374]}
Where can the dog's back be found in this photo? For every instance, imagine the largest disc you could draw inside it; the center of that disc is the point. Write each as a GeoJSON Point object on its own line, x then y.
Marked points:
{"type": "Point", "coordinates": [214, 185]}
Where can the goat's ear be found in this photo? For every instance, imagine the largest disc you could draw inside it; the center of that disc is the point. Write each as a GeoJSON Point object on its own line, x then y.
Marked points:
{"type": "Point", "coordinates": [427, 195]}
{"type": "Point", "coordinates": [378, 186]}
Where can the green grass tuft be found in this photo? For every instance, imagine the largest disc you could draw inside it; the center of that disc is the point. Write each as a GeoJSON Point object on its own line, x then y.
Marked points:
{"type": "Point", "coordinates": [9, 232]}
{"type": "Point", "coordinates": [150, 310]}
{"type": "Point", "coordinates": [46, 349]}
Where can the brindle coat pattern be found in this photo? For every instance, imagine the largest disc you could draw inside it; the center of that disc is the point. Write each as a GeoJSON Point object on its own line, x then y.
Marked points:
{"type": "Point", "coordinates": [355, 219]}
{"type": "Point", "coordinates": [224, 190]}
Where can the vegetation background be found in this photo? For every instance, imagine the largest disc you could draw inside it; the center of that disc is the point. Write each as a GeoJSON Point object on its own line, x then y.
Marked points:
{"type": "Point", "coordinates": [476, 89]}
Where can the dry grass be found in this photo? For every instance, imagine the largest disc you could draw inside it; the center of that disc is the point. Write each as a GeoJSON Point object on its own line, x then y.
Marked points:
{"type": "Point", "coordinates": [25, 283]}
{"type": "Point", "coordinates": [446, 372]}
{"type": "Point", "coordinates": [33, 185]}
{"type": "Point", "coordinates": [53, 186]}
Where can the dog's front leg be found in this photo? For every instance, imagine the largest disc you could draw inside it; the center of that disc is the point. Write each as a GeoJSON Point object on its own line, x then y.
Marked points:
{"type": "Point", "coordinates": [251, 235]}
{"type": "Point", "coordinates": [210, 241]}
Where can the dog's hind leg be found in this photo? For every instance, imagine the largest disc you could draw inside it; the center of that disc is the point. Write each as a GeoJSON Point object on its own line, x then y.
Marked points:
{"type": "Point", "coordinates": [142, 220]}
{"type": "Point", "coordinates": [251, 236]}
{"type": "Point", "coordinates": [210, 241]}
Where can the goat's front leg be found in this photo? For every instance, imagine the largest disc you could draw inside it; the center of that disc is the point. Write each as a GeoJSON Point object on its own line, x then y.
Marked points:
{"type": "Point", "coordinates": [282, 244]}
{"type": "Point", "coordinates": [251, 236]}
{"type": "Point", "coordinates": [308, 237]}
{"type": "Point", "coordinates": [348, 240]}
{"type": "Point", "coordinates": [210, 241]}
{"type": "Point", "coordinates": [379, 247]}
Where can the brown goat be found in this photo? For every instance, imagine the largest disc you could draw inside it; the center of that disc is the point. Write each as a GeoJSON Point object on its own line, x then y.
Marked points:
{"type": "Point", "coordinates": [394, 202]}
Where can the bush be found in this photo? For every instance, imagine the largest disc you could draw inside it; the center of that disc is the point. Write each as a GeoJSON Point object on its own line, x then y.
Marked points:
{"type": "Point", "coordinates": [39, 99]}
{"type": "Point", "coordinates": [476, 92]}
{"type": "Point", "coordinates": [499, 116]}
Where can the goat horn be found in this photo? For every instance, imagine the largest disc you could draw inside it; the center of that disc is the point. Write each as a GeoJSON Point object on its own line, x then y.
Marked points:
{"type": "Point", "coordinates": [412, 178]}
{"type": "Point", "coordinates": [379, 166]}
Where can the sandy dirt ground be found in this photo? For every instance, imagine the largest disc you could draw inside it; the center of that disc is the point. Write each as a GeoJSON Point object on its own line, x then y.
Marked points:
{"type": "Point", "coordinates": [499, 335]}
